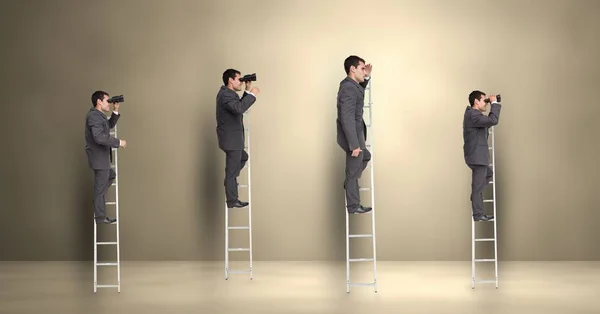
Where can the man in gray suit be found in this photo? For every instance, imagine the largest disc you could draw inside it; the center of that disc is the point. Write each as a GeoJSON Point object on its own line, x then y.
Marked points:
{"type": "Point", "coordinates": [98, 145]}
{"type": "Point", "coordinates": [230, 130]}
{"type": "Point", "coordinates": [351, 128]}
{"type": "Point", "coordinates": [476, 147]}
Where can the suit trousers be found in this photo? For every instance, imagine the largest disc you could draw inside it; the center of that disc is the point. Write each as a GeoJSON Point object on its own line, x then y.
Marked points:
{"type": "Point", "coordinates": [354, 169]}
{"type": "Point", "coordinates": [481, 176]}
{"type": "Point", "coordinates": [103, 178]}
{"type": "Point", "coordinates": [235, 160]}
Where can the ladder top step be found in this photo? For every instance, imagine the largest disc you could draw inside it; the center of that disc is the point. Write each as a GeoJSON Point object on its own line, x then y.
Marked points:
{"type": "Point", "coordinates": [238, 271]}
{"type": "Point", "coordinates": [361, 235]}
{"type": "Point", "coordinates": [107, 264]}
{"type": "Point", "coordinates": [361, 259]}
{"type": "Point", "coordinates": [239, 228]}
{"type": "Point", "coordinates": [106, 243]}
{"type": "Point", "coordinates": [485, 260]}
{"type": "Point", "coordinates": [361, 284]}
{"type": "Point", "coordinates": [484, 240]}
{"type": "Point", "coordinates": [239, 249]}
{"type": "Point", "coordinates": [485, 281]}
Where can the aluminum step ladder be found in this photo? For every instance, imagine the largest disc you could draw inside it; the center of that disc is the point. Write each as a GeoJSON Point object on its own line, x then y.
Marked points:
{"type": "Point", "coordinates": [249, 226]}
{"type": "Point", "coordinates": [349, 236]}
{"type": "Point", "coordinates": [116, 263]}
{"type": "Point", "coordinates": [474, 240]}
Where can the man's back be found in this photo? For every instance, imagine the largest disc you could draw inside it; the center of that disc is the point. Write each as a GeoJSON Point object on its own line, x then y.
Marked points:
{"type": "Point", "coordinates": [350, 104]}
{"type": "Point", "coordinates": [98, 141]}
{"type": "Point", "coordinates": [475, 134]}
{"type": "Point", "coordinates": [230, 118]}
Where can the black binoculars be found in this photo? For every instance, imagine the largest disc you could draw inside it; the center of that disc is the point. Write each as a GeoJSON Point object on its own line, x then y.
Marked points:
{"type": "Point", "coordinates": [487, 100]}
{"type": "Point", "coordinates": [248, 78]}
{"type": "Point", "coordinates": [115, 99]}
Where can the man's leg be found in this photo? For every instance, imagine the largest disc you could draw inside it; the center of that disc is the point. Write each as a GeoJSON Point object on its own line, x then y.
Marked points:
{"type": "Point", "coordinates": [490, 175]}
{"type": "Point", "coordinates": [232, 170]}
{"type": "Point", "coordinates": [478, 183]}
{"type": "Point", "coordinates": [101, 178]}
{"type": "Point", "coordinates": [366, 157]}
{"type": "Point", "coordinates": [112, 175]}
{"type": "Point", "coordinates": [354, 167]}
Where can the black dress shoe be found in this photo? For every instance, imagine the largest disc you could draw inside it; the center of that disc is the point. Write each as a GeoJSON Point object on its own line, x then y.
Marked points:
{"type": "Point", "coordinates": [484, 218]}
{"type": "Point", "coordinates": [106, 220]}
{"type": "Point", "coordinates": [238, 204]}
{"type": "Point", "coordinates": [360, 210]}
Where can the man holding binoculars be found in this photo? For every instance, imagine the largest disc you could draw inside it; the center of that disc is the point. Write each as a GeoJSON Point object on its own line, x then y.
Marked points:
{"type": "Point", "coordinates": [230, 128]}
{"type": "Point", "coordinates": [98, 145]}
{"type": "Point", "coordinates": [476, 147]}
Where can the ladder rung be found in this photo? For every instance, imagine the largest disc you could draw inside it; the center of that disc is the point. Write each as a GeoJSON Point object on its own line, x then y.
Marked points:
{"type": "Point", "coordinates": [238, 271]}
{"type": "Point", "coordinates": [367, 106]}
{"type": "Point", "coordinates": [485, 260]}
{"type": "Point", "coordinates": [485, 281]}
{"type": "Point", "coordinates": [485, 240]}
{"type": "Point", "coordinates": [361, 235]}
{"type": "Point", "coordinates": [239, 228]}
{"type": "Point", "coordinates": [488, 201]}
{"type": "Point", "coordinates": [239, 249]}
{"type": "Point", "coordinates": [490, 147]}
{"type": "Point", "coordinates": [106, 243]}
{"type": "Point", "coordinates": [368, 125]}
{"type": "Point", "coordinates": [362, 284]}
{"type": "Point", "coordinates": [364, 189]}
{"type": "Point", "coordinates": [243, 185]}
{"type": "Point", "coordinates": [107, 286]}
{"type": "Point", "coordinates": [361, 260]}
{"type": "Point", "coordinates": [111, 203]}
{"type": "Point", "coordinates": [491, 182]}
{"type": "Point", "coordinates": [107, 264]}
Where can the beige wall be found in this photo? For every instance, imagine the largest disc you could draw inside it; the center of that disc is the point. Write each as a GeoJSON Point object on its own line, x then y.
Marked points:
{"type": "Point", "coordinates": [167, 58]}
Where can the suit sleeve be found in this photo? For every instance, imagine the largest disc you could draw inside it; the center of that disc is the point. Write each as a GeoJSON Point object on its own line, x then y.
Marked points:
{"type": "Point", "coordinates": [365, 83]}
{"type": "Point", "coordinates": [480, 120]}
{"type": "Point", "coordinates": [347, 103]}
{"type": "Point", "coordinates": [112, 122]}
{"type": "Point", "coordinates": [237, 105]}
{"type": "Point", "coordinates": [100, 136]}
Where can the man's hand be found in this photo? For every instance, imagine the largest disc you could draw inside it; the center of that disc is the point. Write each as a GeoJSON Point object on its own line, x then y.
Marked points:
{"type": "Point", "coordinates": [492, 98]}
{"type": "Point", "coordinates": [255, 90]}
{"type": "Point", "coordinates": [116, 106]}
{"type": "Point", "coordinates": [123, 143]}
{"type": "Point", "coordinates": [368, 69]}
{"type": "Point", "coordinates": [356, 152]}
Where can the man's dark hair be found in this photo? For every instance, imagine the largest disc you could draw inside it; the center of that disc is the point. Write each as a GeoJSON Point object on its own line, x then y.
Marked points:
{"type": "Point", "coordinates": [352, 61]}
{"type": "Point", "coordinates": [229, 73]}
{"type": "Point", "coordinates": [98, 95]}
{"type": "Point", "coordinates": [475, 95]}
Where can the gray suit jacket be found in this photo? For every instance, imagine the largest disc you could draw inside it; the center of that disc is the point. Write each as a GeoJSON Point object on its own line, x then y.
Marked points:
{"type": "Point", "coordinates": [230, 118]}
{"type": "Point", "coordinates": [98, 141]}
{"type": "Point", "coordinates": [475, 134]}
{"type": "Point", "coordinates": [351, 128]}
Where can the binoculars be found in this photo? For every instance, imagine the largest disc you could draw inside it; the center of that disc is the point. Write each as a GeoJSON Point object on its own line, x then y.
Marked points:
{"type": "Point", "coordinates": [115, 99]}
{"type": "Point", "coordinates": [487, 100]}
{"type": "Point", "coordinates": [248, 78]}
